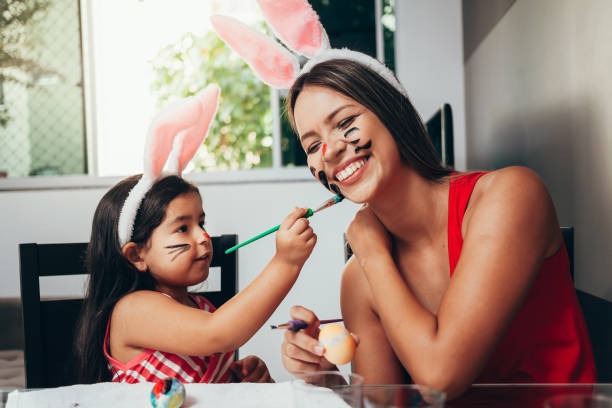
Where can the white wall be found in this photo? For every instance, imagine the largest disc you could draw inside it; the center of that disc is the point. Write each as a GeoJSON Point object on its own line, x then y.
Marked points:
{"type": "Point", "coordinates": [538, 91]}
{"type": "Point", "coordinates": [429, 60]}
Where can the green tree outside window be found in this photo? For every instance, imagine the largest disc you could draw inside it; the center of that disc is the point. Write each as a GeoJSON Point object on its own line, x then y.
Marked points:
{"type": "Point", "coordinates": [240, 136]}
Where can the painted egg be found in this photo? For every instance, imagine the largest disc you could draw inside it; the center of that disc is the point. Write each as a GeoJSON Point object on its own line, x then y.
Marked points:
{"type": "Point", "coordinates": [168, 393]}
{"type": "Point", "coordinates": [339, 344]}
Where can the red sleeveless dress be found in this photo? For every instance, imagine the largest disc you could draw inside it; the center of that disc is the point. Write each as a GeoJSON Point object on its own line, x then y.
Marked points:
{"type": "Point", "coordinates": [155, 365]}
{"type": "Point", "coordinates": [548, 340]}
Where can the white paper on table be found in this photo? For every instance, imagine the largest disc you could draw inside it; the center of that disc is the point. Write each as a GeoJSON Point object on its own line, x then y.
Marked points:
{"type": "Point", "coordinates": [119, 395]}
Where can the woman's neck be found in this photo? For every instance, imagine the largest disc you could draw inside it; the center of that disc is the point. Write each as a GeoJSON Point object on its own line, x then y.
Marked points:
{"type": "Point", "coordinates": [413, 209]}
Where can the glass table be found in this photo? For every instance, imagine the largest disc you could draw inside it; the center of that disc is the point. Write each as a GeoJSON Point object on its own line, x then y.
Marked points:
{"type": "Point", "coordinates": [521, 395]}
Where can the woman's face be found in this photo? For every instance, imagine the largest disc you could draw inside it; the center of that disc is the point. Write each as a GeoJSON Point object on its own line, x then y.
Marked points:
{"type": "Point", "coordinates": [348, 148]}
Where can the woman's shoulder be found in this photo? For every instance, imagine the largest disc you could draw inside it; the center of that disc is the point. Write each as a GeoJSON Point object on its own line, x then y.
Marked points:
{"type": "Point", "coordinates": [511, 198]}
{"type": "Point", "coordinates": [515, 185]}
{"type": "Point", "coordinates": [511, 193]}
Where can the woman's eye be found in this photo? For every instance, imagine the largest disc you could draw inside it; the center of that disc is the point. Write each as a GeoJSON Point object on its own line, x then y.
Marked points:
{"type": "Point", "coordinates": [344, 123]}
{"type": "Point", "coordinates": [313, 147]}
{"type": "Point", "coordinates": [202, 224]}
{"type": "Point", "coordinates": [182, 228]}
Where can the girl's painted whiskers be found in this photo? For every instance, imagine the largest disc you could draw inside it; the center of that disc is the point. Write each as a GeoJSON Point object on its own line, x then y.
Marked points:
{"type": "Point", "coordinates": [177, 249]}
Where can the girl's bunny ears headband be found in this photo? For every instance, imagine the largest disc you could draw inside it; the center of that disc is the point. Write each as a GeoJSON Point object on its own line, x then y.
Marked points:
{"type": "Point", "coordinates": [172, 140]}
{"type": "Point", "coordinates": [297, 25]}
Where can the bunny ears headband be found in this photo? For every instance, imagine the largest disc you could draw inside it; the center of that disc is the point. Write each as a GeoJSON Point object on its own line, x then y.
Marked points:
{"type": "Point", "coordinates": [297, 25]}
{"type": "Point", "coordinates": [172, 140]}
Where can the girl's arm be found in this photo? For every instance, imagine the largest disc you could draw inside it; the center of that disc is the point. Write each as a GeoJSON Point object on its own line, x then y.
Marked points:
{"type": "Point", "coordinates": [150, 320]}
{"type": "Point", "coordinates": [510, 228]}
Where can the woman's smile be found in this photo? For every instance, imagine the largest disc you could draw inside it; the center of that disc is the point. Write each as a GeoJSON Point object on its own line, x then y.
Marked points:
{"type": "Point", "coordinates": [351, 170]}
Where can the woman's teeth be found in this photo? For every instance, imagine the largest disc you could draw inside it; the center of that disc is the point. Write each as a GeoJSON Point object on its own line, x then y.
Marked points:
{"type": "Point", "coordinates": [349, 170]}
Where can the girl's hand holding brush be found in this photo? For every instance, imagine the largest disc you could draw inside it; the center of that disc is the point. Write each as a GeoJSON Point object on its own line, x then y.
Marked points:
{"type": "Point", "coordinates": [295, 239]}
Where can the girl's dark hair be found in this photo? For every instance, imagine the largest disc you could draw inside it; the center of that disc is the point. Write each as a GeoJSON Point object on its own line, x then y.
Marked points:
{"type": "Point", "coordinates": [394, 110]}
{"type": "Point", "coordinates": [111, 275]}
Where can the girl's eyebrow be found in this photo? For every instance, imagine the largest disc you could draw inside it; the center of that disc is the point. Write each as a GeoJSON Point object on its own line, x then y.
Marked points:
{"type": "Point", "coordinates": [183, 218]}
{"type": "Point", "coordinates": [327, 120]}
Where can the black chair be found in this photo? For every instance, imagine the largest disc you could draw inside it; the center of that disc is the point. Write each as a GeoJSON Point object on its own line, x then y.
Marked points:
{"type": "Point", "coordinates": [568, 239]}
{"type": "Point", "coordinates": [440, 130]}
{"type": "Point", "coordinates": [49, 324]}
{"type": "Point", "coordinates": [598, 316]}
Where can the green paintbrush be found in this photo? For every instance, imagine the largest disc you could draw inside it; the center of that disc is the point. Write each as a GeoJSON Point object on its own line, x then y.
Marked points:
{"type": "Point", "coordinates": [328, 203]}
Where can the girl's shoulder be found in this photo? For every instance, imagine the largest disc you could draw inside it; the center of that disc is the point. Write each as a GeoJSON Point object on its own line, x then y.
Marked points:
{"type": "Point", "coordinates": [138, 301]}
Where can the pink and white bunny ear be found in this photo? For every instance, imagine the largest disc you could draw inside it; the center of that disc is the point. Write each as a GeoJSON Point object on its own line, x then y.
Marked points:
{"type": "Point", "coordinates": [164, 128]}
{"type": "Point", "coordinates": [173, 137]}
{"type": "Point", "coordinates": [296, 24]}
{"type": "Point", "coordinates": [274, 64]}
{"type": "Point", "coordinates": [189, 140]}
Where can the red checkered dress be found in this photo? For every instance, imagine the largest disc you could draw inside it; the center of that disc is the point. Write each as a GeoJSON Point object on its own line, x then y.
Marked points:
{"type": "Point", "coordinates": [152, 365]}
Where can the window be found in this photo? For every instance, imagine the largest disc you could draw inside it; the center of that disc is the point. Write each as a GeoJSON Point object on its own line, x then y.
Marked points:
{"type": "Point", "coordinates": [139, 55]}
{"type": "Point", "coordinates": [42, 120]}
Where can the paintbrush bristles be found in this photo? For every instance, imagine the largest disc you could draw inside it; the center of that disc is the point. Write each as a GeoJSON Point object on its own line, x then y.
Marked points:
{"type": "Point", "coordinates": [328, 203]}
{"type": "Point", "coordinates": [280, 326]}
{"type": "Point", "coordinates": [297, 324]}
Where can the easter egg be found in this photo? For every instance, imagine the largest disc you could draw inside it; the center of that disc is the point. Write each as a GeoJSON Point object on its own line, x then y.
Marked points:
{"type": "Point", "coordinates": [339, 344]}
{"type": "Point", "coordinates": [168, 393]}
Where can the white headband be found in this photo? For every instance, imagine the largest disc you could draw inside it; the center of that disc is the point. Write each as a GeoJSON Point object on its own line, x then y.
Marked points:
{"type": "Point", "coordinates": [297, 25]}
{"type": "Point", "coordinates": [173, 138]}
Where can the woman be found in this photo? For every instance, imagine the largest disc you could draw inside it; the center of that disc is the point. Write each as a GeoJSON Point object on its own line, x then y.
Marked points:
{"type": "Point", "coordinates": [456, 277]}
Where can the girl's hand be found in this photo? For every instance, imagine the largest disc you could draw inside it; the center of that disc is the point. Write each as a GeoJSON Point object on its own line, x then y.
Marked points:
{"type": "Point", "coordinates": [295, 238]}
{"type": "Point", "coordinates": [251, 369]}
{"type": "Point", "coordinates": [367, 236]}
{"type": "Point", "coordinates": [301, 352]}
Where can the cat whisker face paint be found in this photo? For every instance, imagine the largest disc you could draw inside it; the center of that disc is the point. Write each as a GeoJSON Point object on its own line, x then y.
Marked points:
{"type": "Point", "coordinates": [355, 142]}
{"type": "Point", "coordinates": [323, 178]}
{"type": "Point", "coordinates": [336, 189]}
{"type": "Point", "coordinates": [351, 130]}
{"type": "Point", "coordinates": [178, 250]}
{"type": "Point", "coordinates": [367, 145]}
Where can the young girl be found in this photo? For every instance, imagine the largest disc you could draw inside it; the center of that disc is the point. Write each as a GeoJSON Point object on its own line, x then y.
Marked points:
{"type": "Point", "coordinates": [148, 245]}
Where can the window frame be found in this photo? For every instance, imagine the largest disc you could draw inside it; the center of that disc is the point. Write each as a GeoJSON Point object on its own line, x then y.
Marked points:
{"type": "Point", "coordinates": [276, 173]}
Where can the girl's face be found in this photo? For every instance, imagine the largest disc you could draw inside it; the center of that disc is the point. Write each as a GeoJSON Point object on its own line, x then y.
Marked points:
{"type": "Point", "coordinates": [348, 148]}
{"type": "Point", "coordinates": [179, 252]}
